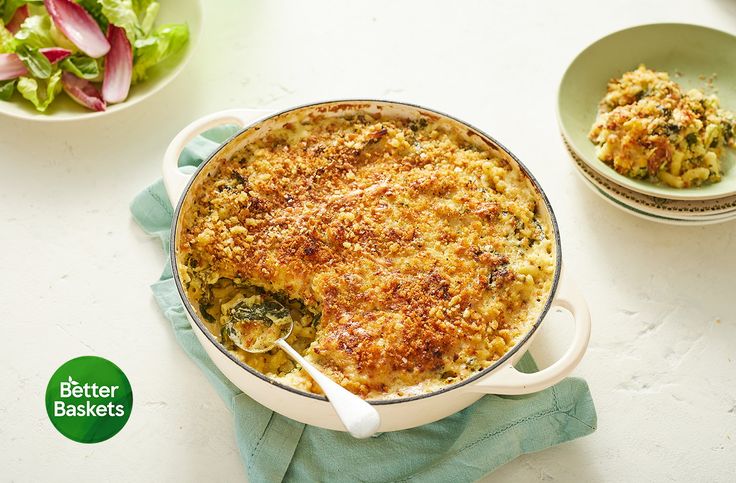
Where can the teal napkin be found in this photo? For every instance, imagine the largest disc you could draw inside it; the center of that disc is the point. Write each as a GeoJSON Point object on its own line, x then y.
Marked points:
{"type": "Point", "coordinates": [462, 447]}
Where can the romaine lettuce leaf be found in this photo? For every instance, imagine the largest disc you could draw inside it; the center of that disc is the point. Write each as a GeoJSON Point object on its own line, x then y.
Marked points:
{"type": "Point", "coordinates": [121, 13]}
{"type": "Point", "coordinates": [40, 92]}
{"type": "Point", "coordinates": [164, 42]}
{"type": "Point", "coordinates": [82, 66]}
{"type": "Point", "coordinates": [7, 40]}
{"type": "Point", "coordinates": [135, 16]}
{"type": "Point", "coordinates": [35, 32]}
{"type": "Point", "coordinates": [37, 63]}
{"type": "Point", "coordinates": [141, 6]}
{"type": "Point", "coordinates": [147, 16]}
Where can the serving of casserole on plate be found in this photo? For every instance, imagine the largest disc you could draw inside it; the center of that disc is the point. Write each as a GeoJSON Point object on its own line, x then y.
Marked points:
{"type": "Point", "coordinates": [408, 258]}
{"type": "Point", "coordinates": [648, 128]}
{"type": "Point", "coordinates": [665, 130]}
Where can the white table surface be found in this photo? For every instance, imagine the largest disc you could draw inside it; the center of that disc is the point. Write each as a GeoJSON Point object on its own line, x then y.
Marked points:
{"type": "Point", "coordinates": [76, 269]}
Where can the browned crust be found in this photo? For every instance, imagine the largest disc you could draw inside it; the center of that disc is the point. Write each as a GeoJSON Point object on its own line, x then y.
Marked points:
{"type": "Point", "coordinates": [397, 234]}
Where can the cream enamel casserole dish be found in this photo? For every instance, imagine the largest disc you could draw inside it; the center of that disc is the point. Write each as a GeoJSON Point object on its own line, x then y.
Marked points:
{"type": "Point", "coordinates": [416, 256]}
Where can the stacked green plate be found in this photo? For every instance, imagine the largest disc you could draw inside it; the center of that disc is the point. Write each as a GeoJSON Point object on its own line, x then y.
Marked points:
{"type": "Point", "coordinates": [694, 52]}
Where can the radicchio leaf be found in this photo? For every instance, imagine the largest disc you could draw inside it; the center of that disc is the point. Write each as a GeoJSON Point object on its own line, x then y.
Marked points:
{"type": "Point", "coordinates": [55, 54]}
{"type": "Point", "coordinates": [82, 91]}
{"type": "Point", "coordinates": [118, 66]}
{"type": "Point", "coordinates": [12, 67]}
{"type": "Point", "coordinates": [78, 26]}
{"type": "Point", "coordinates": [20, 15]}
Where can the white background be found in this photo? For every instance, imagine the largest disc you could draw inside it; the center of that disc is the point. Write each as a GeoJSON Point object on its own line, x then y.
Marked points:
{"type": "Point", "coordinates": [76, 269]}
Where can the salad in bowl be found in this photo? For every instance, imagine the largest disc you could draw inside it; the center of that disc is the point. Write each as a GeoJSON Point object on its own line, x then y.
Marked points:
{"type": "Point", "coordinates": [92, 50]}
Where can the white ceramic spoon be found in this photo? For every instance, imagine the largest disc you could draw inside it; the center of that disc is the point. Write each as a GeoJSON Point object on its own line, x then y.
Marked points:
{"type": "Point", "coordinates": [361, 419]}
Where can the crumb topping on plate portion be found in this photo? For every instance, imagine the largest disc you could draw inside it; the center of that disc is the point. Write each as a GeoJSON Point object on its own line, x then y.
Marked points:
{"type": "Point", "coordinates": [409, 258]}
{"type": "Point", "coordinates": [648, 128]}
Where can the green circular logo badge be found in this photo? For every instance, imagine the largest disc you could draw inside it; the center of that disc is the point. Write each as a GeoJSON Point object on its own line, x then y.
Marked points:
{"type": "Point", "coordinates": [89, 399]}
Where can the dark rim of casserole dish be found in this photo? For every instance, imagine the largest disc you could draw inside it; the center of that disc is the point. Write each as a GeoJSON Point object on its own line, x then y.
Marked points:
{"type": "Point", "coordinates": [354, 103]}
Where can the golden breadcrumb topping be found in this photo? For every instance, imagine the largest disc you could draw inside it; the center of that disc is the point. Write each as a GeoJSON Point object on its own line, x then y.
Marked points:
{"type": "Point", "coordinates": [408, 258]}
{"type": "Point", "coordinates": [648, 128]}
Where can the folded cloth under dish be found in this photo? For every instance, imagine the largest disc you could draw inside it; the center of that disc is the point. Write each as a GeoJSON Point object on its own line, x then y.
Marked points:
{"type": "Point", "coordinates": [461, 447]}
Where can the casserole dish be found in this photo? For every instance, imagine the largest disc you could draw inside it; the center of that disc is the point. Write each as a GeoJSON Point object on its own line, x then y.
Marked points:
{"type": "Point", "coordinates": [402, 412]}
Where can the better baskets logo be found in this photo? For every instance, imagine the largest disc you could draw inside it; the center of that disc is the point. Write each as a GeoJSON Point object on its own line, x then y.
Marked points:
{"type": "Point", "coordinates": [89, 399]}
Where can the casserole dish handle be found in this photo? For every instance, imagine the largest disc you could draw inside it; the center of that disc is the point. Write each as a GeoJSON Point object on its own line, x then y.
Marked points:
{"type": "Point", "coordinates": [508, 380]}
{"type": "Point", "coordinates": [176, 180]}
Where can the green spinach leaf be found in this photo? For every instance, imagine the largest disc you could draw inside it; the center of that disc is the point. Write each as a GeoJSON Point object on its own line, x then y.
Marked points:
{"type": "Point", "coordinates": [267, 312]}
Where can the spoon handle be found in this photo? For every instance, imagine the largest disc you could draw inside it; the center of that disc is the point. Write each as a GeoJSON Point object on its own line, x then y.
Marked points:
{"type": "Point", "coordinates": [360, 418]}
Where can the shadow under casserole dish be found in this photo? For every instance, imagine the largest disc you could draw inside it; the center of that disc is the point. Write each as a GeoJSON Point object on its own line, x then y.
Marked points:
{"type": "Point", "coordinates": [408, 257]}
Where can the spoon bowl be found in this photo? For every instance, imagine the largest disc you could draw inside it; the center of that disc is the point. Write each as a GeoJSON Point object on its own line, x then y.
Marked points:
{"type": "Point", "coordinates": [258, 327]}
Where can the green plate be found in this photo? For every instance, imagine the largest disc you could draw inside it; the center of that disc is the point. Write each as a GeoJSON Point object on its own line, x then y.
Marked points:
{"type": "Point", "coordinates": [694, 51]}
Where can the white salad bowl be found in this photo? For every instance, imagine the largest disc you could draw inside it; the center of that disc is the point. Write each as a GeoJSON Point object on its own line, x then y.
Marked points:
{"type": "Point", "coordinates": [395, 414]}
{"type": "Point", "coordinates": [65, 109]}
